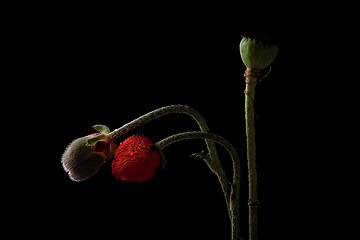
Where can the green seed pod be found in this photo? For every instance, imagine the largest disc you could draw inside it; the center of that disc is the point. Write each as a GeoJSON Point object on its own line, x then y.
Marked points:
{"type": "Point", "coordinates": [256, 54]}
{"type": "Point", "coordinates": [84, 156]}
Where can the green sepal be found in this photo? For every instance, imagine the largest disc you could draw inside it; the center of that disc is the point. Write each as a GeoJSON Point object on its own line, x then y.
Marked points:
{"type": "Point", "coordinates": [79, 161]}
{"type": "Point", "coordinates": [101, 128]}
{"type": "Point", "coordinates": [88, 167]}
{"type": "Point", "coordinates": [74, 153]}
{"type": "Point", "coordinates": [92, 140]}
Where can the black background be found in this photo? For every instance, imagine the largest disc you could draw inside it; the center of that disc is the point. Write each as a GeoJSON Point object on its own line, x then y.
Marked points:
{"type": "Point", "coordinates": [95, 66]}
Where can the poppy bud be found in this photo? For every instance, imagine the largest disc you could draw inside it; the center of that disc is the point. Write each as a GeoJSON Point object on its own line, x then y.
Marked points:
{"type": "Point", "coordinates": [84, 156]}
{"type": "Point", "coordinates": [136, 159]}
{"type": "Point", "coordinates": [256, 53]}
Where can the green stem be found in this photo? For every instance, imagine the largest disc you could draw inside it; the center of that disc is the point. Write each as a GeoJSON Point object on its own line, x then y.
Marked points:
{"type": "Point", "coordinates": [235, 187]}
{"type": "Point", "coordinates": [251, 81]}
{"type": "Point", "coordinates": [213, 163]}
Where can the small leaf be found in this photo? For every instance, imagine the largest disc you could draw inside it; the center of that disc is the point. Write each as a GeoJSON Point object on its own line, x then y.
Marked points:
{"type": "Point", "coordinates": [101, 128]}
{"type": "Point", "coordinates": [92, 140]}
{"type": "Point", "coordinates": [203, 155]}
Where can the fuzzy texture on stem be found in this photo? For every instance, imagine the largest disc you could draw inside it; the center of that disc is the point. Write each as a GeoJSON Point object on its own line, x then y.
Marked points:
{"type": "Point", "coordinates": [213, 162]}
{"type": "Point", "coordinates": [251, 80]}
{"type": "Point", "coordinates": [235, 187]}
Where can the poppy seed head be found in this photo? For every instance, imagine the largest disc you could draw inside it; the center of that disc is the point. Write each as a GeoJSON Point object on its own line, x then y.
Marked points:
{"type": "Point", "coordinates": [260, 37]}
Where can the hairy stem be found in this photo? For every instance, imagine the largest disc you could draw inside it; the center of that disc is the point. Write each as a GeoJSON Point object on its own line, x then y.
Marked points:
{"type": "Point", "coordinates": [213, 163]}
{"type": "Point", "coordinates": [235, 187]}
{"type": "Point", "coordinates": [251, 81]}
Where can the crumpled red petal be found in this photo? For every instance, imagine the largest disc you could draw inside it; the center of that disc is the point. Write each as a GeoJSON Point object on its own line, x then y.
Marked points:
{"type": "Point", "coordinates": [136, 159]}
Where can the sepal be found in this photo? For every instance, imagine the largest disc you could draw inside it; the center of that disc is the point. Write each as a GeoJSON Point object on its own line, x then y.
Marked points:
{"type": "Point", "coordinates": [84, 156]}
{"type": "Point", "coordinates": [88, 167]}
{"type": "Point", "coordinates": [93, 139]}
{"type": "Point", "coordinates": [101, 128]}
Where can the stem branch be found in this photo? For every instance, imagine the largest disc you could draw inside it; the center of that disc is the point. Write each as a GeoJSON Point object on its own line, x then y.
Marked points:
{"type": "Point", "coordinates": [214, 162]}
{"type": "Point", "coordinates": [235, 187]}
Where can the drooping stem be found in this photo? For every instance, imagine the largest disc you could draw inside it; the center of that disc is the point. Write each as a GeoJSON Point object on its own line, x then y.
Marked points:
{"type": "Point", "coordinates": [213, 163]}
{"type": "Point", "coordinates": [251, 81]}
{"type": "Point", "coordinates": [234, 212]}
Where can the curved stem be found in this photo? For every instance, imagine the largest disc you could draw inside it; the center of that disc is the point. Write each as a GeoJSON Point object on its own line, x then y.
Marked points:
{"type": "Point", "coordinates": [235, 187]}
{"type": "Point", "coordinates": [251, 80]}
{"type": "Point", "coordinates": [213, 163]}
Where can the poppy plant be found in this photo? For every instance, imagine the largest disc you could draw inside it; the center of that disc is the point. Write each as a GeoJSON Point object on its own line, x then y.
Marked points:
{"type": "Point", "coordinates": [136, 159]}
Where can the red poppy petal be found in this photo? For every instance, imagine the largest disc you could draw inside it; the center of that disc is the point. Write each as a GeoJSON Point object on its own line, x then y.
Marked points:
{"type": "Point", "coordinates": [134, 161]}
